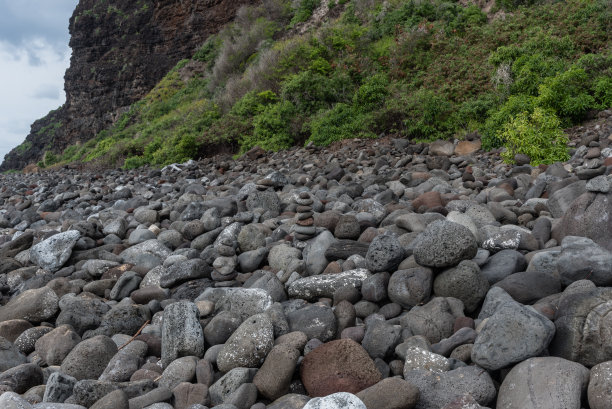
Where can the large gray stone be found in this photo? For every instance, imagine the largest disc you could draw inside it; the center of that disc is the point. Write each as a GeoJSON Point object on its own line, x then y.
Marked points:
{"type": "Point", "coordinates": [590, 215]}
{"type": "Point", "coordinates": [55, 346]}
{"type": "Point", "coordinates": [581, 258]}
{"type": "Point", "coordinates": [600, 386]}
{"type": "Point", "coordinates": [444, 244]}
{"type": "Point", "coordinates": [150, 248]}
{"type": "Point", "coordinates": [434, 320]}
{"type": "Point", "coordinates": [410, 287]}
{"type": "Point", "coordinates": [89, 358]}
{"type": "Point", "coordinates": [125, 362]}
{"type": "Point", "coordinates": [385, 253]}
{"type": "Point", "coordinates": [248, 345]}
{"type": "Point", "coordinates": [180, 370]}
{"type": "Point", "coordinates": [582, 321]}
{"type": "Point", "coordinates": [282, 255]}
{"type": "Point", "coordinates": [229, 383]}
{"type": "Point", "coordinates": [11, 400]}
{"type": "Point", "coordinates": [512, 334]}
{"type": "Point", "coordinates": [244, 302]}
{"type": "Point", "coordinates": [464, 282]}
{"type": "Point", "coordinates": [83, 312]}
{"type": "Point", "coordinates": [502, 264]}
{"type": "Point", "coordinates": [544, 383]}
{"type": "Point", "coordinates": [325, 285]}
{"type": "Point", "coordinates": [315, 321]}
{"type": "Point", "coordinates": [562, 199]}
{"type": "Point", "coordinates": [34, 305]}
{"type": "Point", "coordinates": [529, 287]}
{"type": "Point", "coordinates": [22, 377]}
{"type": "Point", "coordinates": [52, 253]}
{"type": "Point", "coordinates": [59, 387]}
{"type": "Point", "coordinates": [184, 271]}
{"type": "Point", "coordinates": [380, 339]}
{"type": "Point", "coordinates": [9, 355]}
{"type": "Point", "coordinates": [438, 389]}
{"type": "Point", "coordinates": [182, 333]}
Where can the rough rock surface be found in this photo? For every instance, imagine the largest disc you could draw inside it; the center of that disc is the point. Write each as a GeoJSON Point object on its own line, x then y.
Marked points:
{"type": "Point", "coordinates": [220, 282]}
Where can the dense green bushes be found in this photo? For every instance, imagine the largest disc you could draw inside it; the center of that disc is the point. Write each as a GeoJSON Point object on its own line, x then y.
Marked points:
{"type": "Point", "coordinates": [419, 69]}
{"type": "Point", "coordinates": [537, 135]}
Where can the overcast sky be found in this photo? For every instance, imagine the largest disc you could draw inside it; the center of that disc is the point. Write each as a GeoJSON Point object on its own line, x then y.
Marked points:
{"type": "Point", "coordinates": [34, 55]}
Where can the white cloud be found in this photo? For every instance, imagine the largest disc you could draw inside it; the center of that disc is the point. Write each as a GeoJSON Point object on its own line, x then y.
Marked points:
{"type": "Point", "coordinates": [28, 91]}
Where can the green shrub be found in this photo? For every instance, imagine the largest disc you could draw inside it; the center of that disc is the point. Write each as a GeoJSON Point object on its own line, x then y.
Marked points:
{"type": "Point", "coordinates": [603, 92]}
{"type": "Point", "coordinates": [538, 135]}
{"type": "Point", "coordinates": [209, 51]}
{"type": "Point", "coordinates": [304, 10]}
{"type": "Point", "coordinates": [567, 94]}
{"type": "Point", "coordinates": [499, 118]}
{"type": "Point", "coordinates": [428, 116]}
{"type": "Point", "coordinates": [309, 91]}
{"type": "Point", "coordinates": [531, 70]}
{"type": "Point", "coordinates": [338, 123]}
{"type": "Point", "coordinates": [371, 94]}
{"type": "Point", "coordinates": [49, 159]}
{"type": "Point", "coordinates": [271, 128]}
{"type": "Point", "coordinates": [513, 4]}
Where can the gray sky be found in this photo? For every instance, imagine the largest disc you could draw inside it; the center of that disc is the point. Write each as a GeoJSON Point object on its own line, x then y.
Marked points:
{"type": "Point", "coordinates": [34, 55]}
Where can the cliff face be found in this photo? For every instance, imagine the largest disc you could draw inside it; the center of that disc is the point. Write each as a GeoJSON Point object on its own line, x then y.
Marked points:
{"type": "Point", "coordinates": [120, 50]}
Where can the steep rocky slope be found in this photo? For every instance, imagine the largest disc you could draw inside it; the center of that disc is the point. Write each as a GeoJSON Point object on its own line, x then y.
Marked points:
{"type": "Point", "coordinates": [120, 50]}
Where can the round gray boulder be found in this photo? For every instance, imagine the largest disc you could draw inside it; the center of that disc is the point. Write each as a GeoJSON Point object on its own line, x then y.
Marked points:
{"type": "Point", "coordinates": [544, 383]}
{"type": "Point", "coordinates": [444, 244]}
{"type": "Point", "coordinates": [385, 253]}
{"type": "Point", "coordinates": [410, 287]}
{"type": "Point", "coordinates": [464, 282]}
{"type": "Point", "coordinates": [89, 358]}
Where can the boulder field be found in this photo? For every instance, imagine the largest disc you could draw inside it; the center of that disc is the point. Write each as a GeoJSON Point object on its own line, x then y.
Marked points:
{"type": "Point", "coordinates": [376, 274]}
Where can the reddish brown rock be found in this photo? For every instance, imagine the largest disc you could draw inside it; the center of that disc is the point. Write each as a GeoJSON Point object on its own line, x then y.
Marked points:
{"type": "Point", "coordinates": [338, 366]}
{"type": "Point", "coordinates": [332, 268]}
{"type": "Point", "coordinates": [467, 147]}
{"type": "Point", "coordinates": [427, 201]}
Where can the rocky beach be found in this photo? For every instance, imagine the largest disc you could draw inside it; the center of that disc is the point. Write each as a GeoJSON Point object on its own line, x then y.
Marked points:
{"type": "Point", "coordinates": [378, 274]}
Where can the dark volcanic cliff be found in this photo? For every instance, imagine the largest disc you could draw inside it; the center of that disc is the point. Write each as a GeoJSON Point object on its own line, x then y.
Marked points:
{"type": "Point", "coordinates": [120, 50]}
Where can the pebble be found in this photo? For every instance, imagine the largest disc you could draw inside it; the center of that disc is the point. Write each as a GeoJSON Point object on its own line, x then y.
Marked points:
{"type": "Point", "coordinates": [310, 271]}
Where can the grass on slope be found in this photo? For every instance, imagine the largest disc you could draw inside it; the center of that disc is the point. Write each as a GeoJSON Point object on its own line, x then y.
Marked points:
{"type": "Point", "coordinates": [419, 69]}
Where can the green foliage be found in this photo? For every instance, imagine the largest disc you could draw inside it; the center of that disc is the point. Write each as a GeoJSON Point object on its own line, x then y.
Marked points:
{"type": "Point", "coordinates": [209, 51]}
{"type": "Point", "coordinates": [304, 10]}
{"type": "Point", "coordinates": [421, 69]}
{"type": "Point", "coordinates": [567, 94]}
{"type": "Point", "coordinates": [340, 122]}
{"type": "Point", "coordinates": [49, 159]}
{"type": "Point", "coordinates": [310, 91]}
{"type": "Point", "coordinates": [513, 4]}
{"type": "Point", "coordinates": [24, 147]}
{"type": "Point", "coordinates": [413, 13]}
{"type": "Point", "coordinates": [428, 116]}
{"type": "Point", "coordinates": [371, 94]}
{"type": "Point", "coordinates": [538, 135]}
{"type": "Point", "coordinates": [271, 128]}
{"type": "Point", "coordinates": [500, 117]}
{"type": "Point", "coordinates": [603, 92]}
